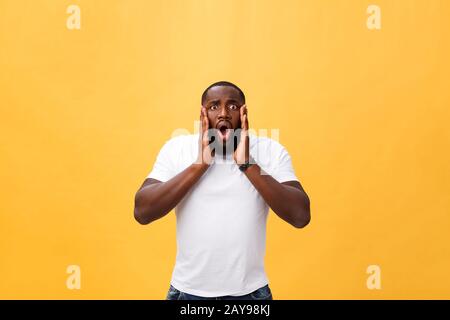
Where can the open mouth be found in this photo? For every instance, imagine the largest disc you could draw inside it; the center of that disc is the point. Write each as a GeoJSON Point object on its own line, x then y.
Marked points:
{"type": "Point", "coordinates": [224, 130]}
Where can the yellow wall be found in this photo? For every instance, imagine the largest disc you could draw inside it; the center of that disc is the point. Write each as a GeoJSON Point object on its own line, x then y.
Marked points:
{"type": "Point", "coordinates": [363, 113]}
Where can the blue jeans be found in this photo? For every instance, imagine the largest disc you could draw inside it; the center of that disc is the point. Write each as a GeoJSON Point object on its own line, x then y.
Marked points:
{"type": "Point", "coordinates": [262, 293]}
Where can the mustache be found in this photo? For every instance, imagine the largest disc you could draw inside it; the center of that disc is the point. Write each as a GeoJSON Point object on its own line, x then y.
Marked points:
{"type": "Point", "coordinates": [213, 135]}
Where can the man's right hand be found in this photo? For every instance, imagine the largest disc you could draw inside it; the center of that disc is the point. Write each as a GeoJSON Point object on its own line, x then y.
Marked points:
{"type": "Point", "coordinates": [205, 154]}
{"type": "Point", "coordinates": [155, 199]}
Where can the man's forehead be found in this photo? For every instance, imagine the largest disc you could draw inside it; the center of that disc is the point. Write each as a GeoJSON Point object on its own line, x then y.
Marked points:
{"type": "Point", "coordinates": [223, 92]}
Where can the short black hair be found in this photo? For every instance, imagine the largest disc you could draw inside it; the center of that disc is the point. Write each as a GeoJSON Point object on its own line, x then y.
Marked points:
{"type": "Point", "coordinates": [226, 84]}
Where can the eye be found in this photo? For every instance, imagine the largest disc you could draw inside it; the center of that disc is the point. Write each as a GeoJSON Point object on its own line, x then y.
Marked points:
{"type": "Point", "coordinates": [213, 107]}
{"type": "Point", "coordinates": [233, 107]}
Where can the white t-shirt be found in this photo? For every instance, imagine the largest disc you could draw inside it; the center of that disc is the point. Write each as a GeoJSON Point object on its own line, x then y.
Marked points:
{"type": "Point", "coordinates": [221, 221]}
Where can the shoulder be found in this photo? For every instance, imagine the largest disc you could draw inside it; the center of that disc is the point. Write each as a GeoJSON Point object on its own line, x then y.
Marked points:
{"type": "Point", "coordinates": [265, 144]}
{"type": "Point", "coordinates": [181, 141]}
{"type": "Point", "coordinates": [269, 153]}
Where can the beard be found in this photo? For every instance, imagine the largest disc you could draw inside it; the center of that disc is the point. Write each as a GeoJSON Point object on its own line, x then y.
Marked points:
{"type": "Point", "coordinates": [224, 147]}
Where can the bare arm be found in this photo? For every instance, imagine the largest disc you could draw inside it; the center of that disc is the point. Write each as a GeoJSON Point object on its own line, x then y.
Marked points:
{"type": "Point", "coordinates": [288, 199]}
{"type": "Point", "coordinates": [155, 199]}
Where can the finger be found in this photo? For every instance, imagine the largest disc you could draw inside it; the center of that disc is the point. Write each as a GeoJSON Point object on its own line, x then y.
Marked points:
{"type": "Point", "coordinates": [201, 114]}
{"type": "Point", "coordinates": [244, 117]}
{"type": "Point", "coordinates": [201, 121]}
{"type": "Point", "coordinates": [241, 113]}
{"type": "Point", "coordinates": [205, 119]}
{"type": "Point", "coordinates": [202, 124]}
{"type": "Point", "coordinates": [205, 126]}
{"type": "Point", "coordinates": [245, 127]}
{"type": "Point", "coordinates": [243, 109]}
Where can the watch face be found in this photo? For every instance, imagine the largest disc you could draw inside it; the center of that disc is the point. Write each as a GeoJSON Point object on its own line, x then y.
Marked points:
{"type": "Point", "coordinates": [244, 166]}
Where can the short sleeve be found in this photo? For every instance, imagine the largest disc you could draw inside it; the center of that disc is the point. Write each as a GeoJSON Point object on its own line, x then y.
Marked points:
{"type": "Point", "coordinates": [164, 167]}
{"type": "Point", "coordinates": [283, 170]}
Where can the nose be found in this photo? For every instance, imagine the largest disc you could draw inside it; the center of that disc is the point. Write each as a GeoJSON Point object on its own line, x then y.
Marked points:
{"type": "Point", "coordinates": [224, 113]}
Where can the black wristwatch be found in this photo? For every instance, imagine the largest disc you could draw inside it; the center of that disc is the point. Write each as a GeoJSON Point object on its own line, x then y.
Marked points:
{"type": "Point", "coordinates": [246, 165]}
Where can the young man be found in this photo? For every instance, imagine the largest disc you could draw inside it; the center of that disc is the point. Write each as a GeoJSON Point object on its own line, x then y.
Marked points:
{"type": "Point", "coordinates": [221, 183]}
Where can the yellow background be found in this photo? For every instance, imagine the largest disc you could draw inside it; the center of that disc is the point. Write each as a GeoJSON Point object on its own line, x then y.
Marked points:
{"type": "Point", "coordinates": [364, 115]}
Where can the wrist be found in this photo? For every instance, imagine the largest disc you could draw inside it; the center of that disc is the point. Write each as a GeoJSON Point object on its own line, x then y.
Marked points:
{"type": "Point", "coordinates": [200, 166]}
{"type": "Point", "coordinates": [247, 164]}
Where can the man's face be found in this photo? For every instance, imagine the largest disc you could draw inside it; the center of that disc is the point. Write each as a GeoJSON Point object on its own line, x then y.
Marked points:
{"type": "Point", "coordinates": [223, 105]}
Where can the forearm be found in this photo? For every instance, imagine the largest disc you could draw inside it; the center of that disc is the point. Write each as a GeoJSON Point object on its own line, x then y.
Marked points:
{"type": "Point", "coordinates": [156, 200]}
{"type": "Point", "coordinates": [289, 203]}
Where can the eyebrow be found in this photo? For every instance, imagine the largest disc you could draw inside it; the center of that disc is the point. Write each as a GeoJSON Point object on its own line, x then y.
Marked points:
{"type": "Point", "coordinates": [216, 100]}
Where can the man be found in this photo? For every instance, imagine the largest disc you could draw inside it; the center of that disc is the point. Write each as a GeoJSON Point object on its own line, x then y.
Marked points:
{"type": "Point", "coordinates": [221, 183]}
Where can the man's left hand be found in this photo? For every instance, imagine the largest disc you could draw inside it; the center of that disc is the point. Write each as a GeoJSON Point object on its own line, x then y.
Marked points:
{"type": "Point", "coordinates": [241, 154]}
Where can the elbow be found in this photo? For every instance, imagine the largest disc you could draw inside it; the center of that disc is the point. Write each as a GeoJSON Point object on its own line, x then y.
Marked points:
{"type": "Point", "coordinates": [140, 217]}
{"type": "Point", "coordinates": [301, 223]}
{"type": "Point", "coordinates": [139, 212]}
{"type": "Point", "coordinates": [303, 218]}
